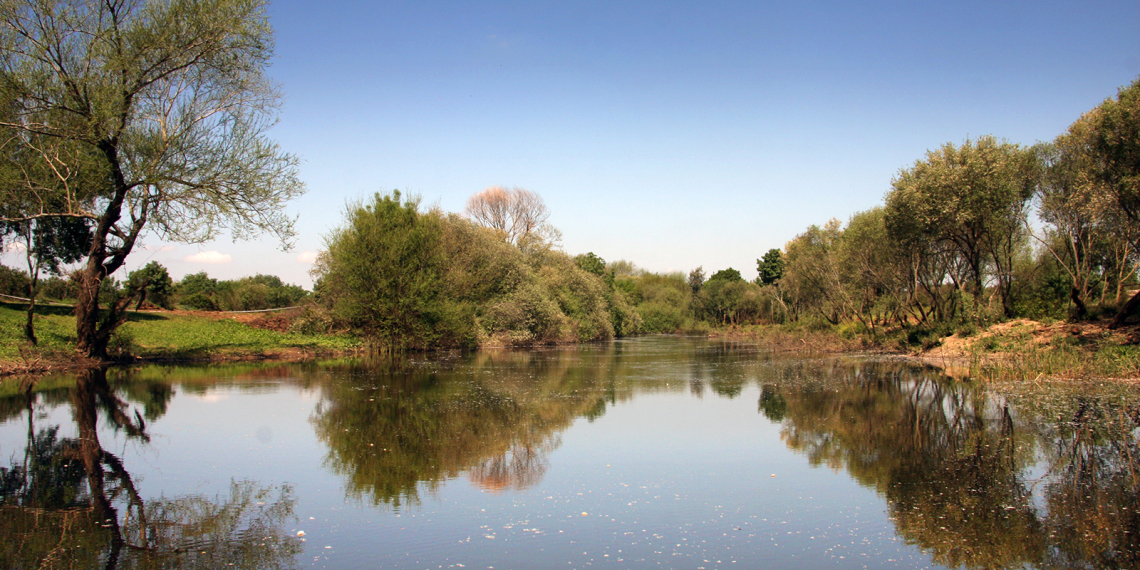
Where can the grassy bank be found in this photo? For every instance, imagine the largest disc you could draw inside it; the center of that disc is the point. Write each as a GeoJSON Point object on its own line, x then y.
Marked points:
{"type": "Point", "coordinates": [1010, 351]}
{"type": "Point", "coordinates": [162, 336]}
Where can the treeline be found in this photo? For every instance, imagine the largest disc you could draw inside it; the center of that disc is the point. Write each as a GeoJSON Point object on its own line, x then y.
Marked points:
{"type": "Point", "coordinates": [411, 279]}
{"type": "Point", "coordinates": [971, 233]}
{"type": "Point", "coordinates": [987, 230]}
{"type": "Point", "coordinates": [152, 285]}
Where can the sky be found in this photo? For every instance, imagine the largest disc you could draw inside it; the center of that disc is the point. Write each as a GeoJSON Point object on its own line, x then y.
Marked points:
{"type": "Point", "coordinates": [669, 134]}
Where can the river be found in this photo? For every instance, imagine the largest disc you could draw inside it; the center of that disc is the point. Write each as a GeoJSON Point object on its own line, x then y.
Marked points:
{"type": "Point", "coordinates": [653, 452]}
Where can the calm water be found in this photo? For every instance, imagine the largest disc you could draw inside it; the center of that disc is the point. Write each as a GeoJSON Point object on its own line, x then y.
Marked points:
{"type": "Point", "coordinates": [645, 453]}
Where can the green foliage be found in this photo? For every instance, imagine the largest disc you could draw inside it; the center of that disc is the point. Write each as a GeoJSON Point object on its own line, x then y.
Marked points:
{"type": "Point", "coordinates": [414, 280]}
{"type": "Point", "coordinates": [970, 199]}
{"type": "Point", "coordinates": [591, 263]}
{"type": "Point", "coordinates": [731, 301]}
{"type": "Point", "coordinates": [662, 301]}
{"type": "Point", "coordinates": [1115, 126]}
{"type": "Point", "coordinates": [13, 281]}
{"type": "Point", "coordinates": [59, 288]}
{"type": "Point", "coordinates": [770, 267]}
{"type": "Point", "coordinates": [153, 284]}
{"type": "Point", "coordinates": [201, 292]}
{"type": "Point", "coordinates": [383, 273]}
{"type": "Point", "coordinates": [730, 275]}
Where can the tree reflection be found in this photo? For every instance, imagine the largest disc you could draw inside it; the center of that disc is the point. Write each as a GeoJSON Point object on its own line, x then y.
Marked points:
{"type": "Point", "coordinates": [955, 464]}
{"type": "Point", "coordinates": [406, 426]}
{"type": "Point", "coordinates": [70, 503]}
{"type": "Point", "coordinates": [1093, 490]}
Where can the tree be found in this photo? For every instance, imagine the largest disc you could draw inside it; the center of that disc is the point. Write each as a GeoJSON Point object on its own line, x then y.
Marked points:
{"type": "Point", "coordinates": [152, 281]}
{"type": "Point", "coordinates": [49, 243]}
{"type": "Point", "coordinates": [518, 213]}
{"type": "Point", "coordinates": [696, 279]}
{"type": "Point", "coordinates": [141, 115]}
{"type": "Point", "coordinates": [972, 198]}
{"type": "Point", "coordinates": [771, 267]}
{"type": "Point", "coordinates": [1091, 240]}
{"type": "Point", "coordinates": [197, 290]}
{"type": "Point", "coordinates": [382, 272]}
{"type": "Point", "coordinates": [1115, 146]}
{"type": "Point", "coordinates": [812, 272]}
{"type": "Point", "coordinates": [731, 275]}
{"type": "Point", "coordinates": [591, 263]}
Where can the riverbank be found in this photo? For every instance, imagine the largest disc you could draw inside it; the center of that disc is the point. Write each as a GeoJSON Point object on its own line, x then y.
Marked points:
{"type": "Point", "coordinates": [1014, 350]}
{"type": "Point", "coordinates": [163, 336]}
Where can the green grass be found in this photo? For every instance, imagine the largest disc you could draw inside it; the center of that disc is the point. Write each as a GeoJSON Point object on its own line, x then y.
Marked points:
{"type": "Point", "coordinates": [157, 336]}
{"type": "Point", "coordinates": [190, 336]}
{"type": "Point", "coordinates": [55, 329]}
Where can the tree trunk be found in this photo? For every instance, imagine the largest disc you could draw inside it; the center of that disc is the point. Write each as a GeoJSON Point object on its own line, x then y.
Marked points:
{"type": "Point", "coordinates": [1122, 314]}
{"type": "Point", "coordinates": [30, 325]}
{"type": "Point", "coordinates": [1082, 310]}
{"type": "Point", "coordinates": [33, 278]}
{"type": "Point", "coordinates": [91, 341]}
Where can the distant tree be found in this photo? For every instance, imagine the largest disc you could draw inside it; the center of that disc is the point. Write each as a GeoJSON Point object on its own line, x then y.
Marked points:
{"type": "Point", "coordinates": [771, 267]}
{"type": "Point", "coordinates": [813, 277]}
{"type": "Point", "coordinates": [591, 263]}
{"type": "Point", "coordinates": [730, 275]}
{"type": "Point", "coordinates": [623, 268]}
{"type": "Point", "coordinates": [518, 213]}
{"type": "Point", "coordinates": [197, 291]}
{"type": "Point", "coordinates": [696, 279]}
{"type": "Point", "coordinates": [151, 281]}
{"type": "Point", "coordinates": [141, 115]}
{"type": "Point", "coordinates": [730, 301]}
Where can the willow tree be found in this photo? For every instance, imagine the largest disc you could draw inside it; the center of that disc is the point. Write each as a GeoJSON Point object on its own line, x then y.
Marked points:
{"type": "Point", "coordinates": [1115, 147]}
{"type": "Point", "coordinates": [972, 198]}
{"type": "Point", "coordinates": [141, 116]}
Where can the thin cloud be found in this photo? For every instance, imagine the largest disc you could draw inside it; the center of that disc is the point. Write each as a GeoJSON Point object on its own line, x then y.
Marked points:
{"type": "Point", "coordinates": [307, 257]}
{"type": "Point", "coordinates": [14, 247]}
{"type": "Point", "coordinates": [209, 257]}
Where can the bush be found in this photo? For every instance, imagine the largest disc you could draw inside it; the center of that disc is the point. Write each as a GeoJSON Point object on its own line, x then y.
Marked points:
{"type": "Point", "coordinates": [13, 282]}
{"type": "Point", "coordinates": [200, 301]}
{"type": "Point", "coordinates": [411, 279]}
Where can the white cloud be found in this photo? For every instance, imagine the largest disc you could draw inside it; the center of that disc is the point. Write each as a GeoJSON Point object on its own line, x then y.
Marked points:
{"type": "Point", "coordinates": [167, 248]}
{"type": "Point", "coordinates": [14, 247]}
{"type": "Point", "coordinates": [209, 257]}
{"type": "Point", "coordinates": [307, 257]}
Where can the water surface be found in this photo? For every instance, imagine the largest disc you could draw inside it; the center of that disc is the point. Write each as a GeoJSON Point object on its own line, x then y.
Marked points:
{"type": "Point", "coordinates": [655, 452]}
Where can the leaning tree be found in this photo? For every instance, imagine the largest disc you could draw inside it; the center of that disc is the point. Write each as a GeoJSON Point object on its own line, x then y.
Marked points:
{"type": "Point", "coordinates": [140, 115]}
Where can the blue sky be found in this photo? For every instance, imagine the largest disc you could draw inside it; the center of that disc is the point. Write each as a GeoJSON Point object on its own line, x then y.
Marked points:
{"type": "Point", "coordinates": [669, 134]}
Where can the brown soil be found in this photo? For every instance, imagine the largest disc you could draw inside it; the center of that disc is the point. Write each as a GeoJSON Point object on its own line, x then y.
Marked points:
{"type": "Point", "coordinates": [1094, 333]}
{"type": "Point", "coordinates": [955, 353]}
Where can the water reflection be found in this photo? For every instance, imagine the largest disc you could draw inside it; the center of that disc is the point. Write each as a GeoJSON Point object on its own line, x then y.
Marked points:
{"type": "Point", "coordinates": [395, 429]}
{"type": "Point", "coordinates": [69, 502]}
{"type": "Point", "coordinates": [959, 467]}
{"type": "Point", "coordinates": [975, 477]}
